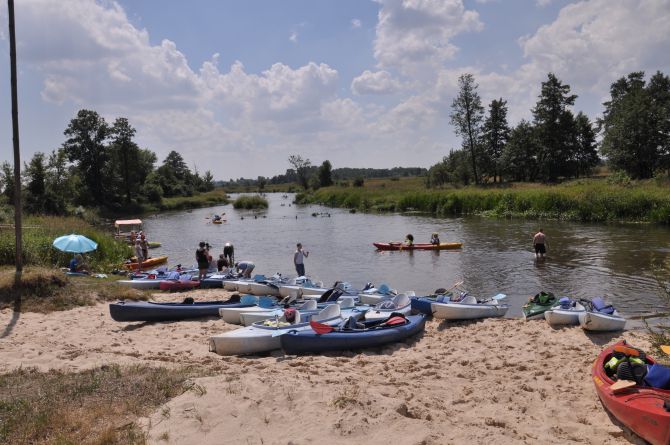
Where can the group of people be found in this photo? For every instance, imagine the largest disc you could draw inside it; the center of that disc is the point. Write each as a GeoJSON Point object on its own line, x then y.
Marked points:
{"type": "Point", "coordinates": [434, 239]}
{"type": "Point", "coordinates": [226, 261]}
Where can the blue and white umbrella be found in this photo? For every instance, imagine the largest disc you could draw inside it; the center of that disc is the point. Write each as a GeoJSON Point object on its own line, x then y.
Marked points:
{"type": "Point", "coordinates": [74, 244]}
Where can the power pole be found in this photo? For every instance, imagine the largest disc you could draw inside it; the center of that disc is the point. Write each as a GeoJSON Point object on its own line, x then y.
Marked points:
{"type": "Point", "coordinates": [15, 134]}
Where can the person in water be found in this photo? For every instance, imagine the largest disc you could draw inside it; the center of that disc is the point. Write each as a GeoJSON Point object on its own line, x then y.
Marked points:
{"type": "Point", "coordinates": [229, 253]}
{"type": "Point", "coordinates": [299, 260]}
{"type": "Point", "coordinates": [434, 239]}
{"type": "Point", "coordinates": [409, 239]}
{"type": "Point", "coordinates": [539, 242]}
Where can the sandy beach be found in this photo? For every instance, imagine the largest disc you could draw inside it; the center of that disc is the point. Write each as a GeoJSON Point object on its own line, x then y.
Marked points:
{"type": "Point", "coordinates": [502, 381]}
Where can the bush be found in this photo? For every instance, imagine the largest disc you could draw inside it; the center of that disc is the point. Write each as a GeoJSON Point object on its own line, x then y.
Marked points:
{"type": "Point", "coordinates": [250, 202]}
{"type": "Point", "coordinates": [359, 182]}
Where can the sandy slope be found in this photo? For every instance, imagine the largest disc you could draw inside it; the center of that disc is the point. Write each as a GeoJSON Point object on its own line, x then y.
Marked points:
{"type": "Point", "coordinates": [502, 381]}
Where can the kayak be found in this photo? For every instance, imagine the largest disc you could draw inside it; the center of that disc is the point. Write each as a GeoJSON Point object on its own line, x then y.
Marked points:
{"type": "Point", "coordinates": [370, 335]}
{"type": "Point", "coordinates": [643, 409]}
{"type": "Point", "coordinates": [248, 318]}
{"type": "Point", "coordinates": [399, 304]}
{"type": "Point", "coordinates": [600, 316]}
{"type": "Point", "coordinates": [565, 314]}
{"type": "Point", "coordinates": [146, 264]}
{"type": "Point", "coordinates": [538, 304]}
{"type": "Point", "coordinates": [422, 305]}
{"type": "Point", "coordinates": [374, 295]}
{"type": "Point", "coordinates": [232, 314]}
{"type": "Point", "coordinates": [265, 336]}
{"type": "Point", "coordinates": [176, 285]}
{"type": "Point", "coordinates": [417, 246]}
{"type": "Point", "coordinates": [154, 311]}
{"type": "Point", "coordinates": [468, 308]}
{"type": "Point", "coordinates": [141, 283]}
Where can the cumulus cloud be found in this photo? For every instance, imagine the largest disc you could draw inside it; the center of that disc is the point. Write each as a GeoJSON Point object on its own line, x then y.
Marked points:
{"type": "Point", "coordinates": [379, 82]}
{"type": "Point", "coordinates": [417, 32]}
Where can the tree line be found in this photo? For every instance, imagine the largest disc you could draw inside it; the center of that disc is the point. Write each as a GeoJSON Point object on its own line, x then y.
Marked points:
{"type": "Point", "coordinates": [100, 165]}
{"type": "Point", "coordinates": [634, 129]}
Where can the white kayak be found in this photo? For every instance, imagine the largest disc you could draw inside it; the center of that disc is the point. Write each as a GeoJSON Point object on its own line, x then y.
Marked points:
{"type": "Point", "coordinates": [401, 303]}
{"type": "Point", "coordinates": [249, 318]}
{"type": "Point", "coordinates": [469, 308]}
{"type": "Point", "coordinates": [232, 314]}
{"type": "Point", "coordinates": [565, 314]}
{"type": "Point", "coordinates": [263, 288]}
{"type": "Point", "coordinates": [264, 336]}
{"type": "Point", "coordinates": [601, 316]}
{"type": "Point", "coordinates": [374, 295]}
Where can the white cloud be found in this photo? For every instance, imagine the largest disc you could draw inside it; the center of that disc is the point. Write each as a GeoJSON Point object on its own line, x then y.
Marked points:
{"type": "Point", "coordinates": [417, 32]}
{"type": "Point", "coordinates": [293, 37]}
{"type": "Point", "coordinates": [379, 82]}
{"type": "Point", "coordinates": [356, 23]}
{"type": "Point", "coordinates": [542, 3]}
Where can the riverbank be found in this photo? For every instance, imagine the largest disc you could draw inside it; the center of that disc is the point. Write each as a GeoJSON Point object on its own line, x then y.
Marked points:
{"type": "Point", "coordinates": [499, 379]}
{"type": "Point", "coordinates": [589, 200]}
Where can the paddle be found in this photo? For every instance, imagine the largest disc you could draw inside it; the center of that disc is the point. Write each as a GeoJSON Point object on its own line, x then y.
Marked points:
{"type": "Point", "coordinates": [320, 328]}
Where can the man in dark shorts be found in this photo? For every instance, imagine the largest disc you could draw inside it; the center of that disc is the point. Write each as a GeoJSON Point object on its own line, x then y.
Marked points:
{"type": "Point", "coordinates": [539, 241]}
{"type": "Point", "coordinates": [202, 260]}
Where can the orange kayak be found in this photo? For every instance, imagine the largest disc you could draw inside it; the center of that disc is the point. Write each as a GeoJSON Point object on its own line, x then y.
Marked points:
{"type": "Point", "coordinates": [146, 264]}
{"type": "Point", "coordinates": [417, 246]}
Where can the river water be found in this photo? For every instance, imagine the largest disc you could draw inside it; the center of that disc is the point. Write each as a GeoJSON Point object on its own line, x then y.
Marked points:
{"type": "Point", "coordinates": [583, 260]}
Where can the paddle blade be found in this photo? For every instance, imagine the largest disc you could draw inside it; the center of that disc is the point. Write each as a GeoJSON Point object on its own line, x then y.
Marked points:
{"type": "Point", "coordinates": [666, 349]}
{"type": "Point", "coordinates": [320, 328]}
{"type": "Point", "coordinates": [393, 321]}
{"type": "Point", "coordinates": [499, 297]}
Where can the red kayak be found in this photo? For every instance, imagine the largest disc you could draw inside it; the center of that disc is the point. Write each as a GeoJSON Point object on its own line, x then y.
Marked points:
{"type": "Point", "coordinates": [178, 285]}
{"type": "Point", "coordinates": [643, 409]}
{"type": "Point", "coordinates": [417, 246]}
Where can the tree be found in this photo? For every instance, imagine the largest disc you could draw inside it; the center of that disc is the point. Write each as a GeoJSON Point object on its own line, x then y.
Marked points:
{"type": "Point", "coordinates": [207, 182]}
{"type": "Point", "coordinates": [301, 167]}
{"type": "Point", "coordinates": [586, 155]}
{"type": "Point", "coordinates": [495, 134]}
{"type": "Point", "coordinates": [7, 180]}
{"type": "Point", "coordinates": [174, 176]}
{"type": "Point", "coordinates": [453, 169]}
{"type": "Point", "coordinates": [519, 157]}
{"type": "Point", "coordinates": [36, 183]}
{"type": "Point", "coordinates": [635, 124]}
{"type": "Point", "coordinates": [552, 118]}
{"type": "Point", "coordinates": [467, 117]}
{"type": "Point", "coordinates": [325, 174]}
{"type": "Point", "coordinates": [85, 147]}
{"type": "Point", "coordinates": [125, 158]}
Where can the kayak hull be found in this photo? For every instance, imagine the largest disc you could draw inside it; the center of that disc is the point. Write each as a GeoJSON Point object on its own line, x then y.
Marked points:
{"type": "Point", "coordinates": [464, 311]}
{"type": "Point", "coordinates": [306, 341]}
{"type": "Point", "coordinates": [597, 322]}
{"type": "Point", "coordinates": [178, 285]}
{"type": "Point", "coordinates": [382, 314]}
{"type": "Point", "coordinates": [639, 408]}
{"type": "Point", "coordinates": [417, 246]}
{"type": "Point", "coordinates": [564, 317]}
{"type": "Point", "coordinates": [153, 311]}
{"type": "Point", "coordinates": [263, 289]}
{"type": "Point", "coordinates": [142, 283]}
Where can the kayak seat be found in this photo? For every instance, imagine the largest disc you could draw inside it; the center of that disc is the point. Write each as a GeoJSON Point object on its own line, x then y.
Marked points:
{"type": "Point", "coordinates": [599, 305]}
{"type": "Point", "coordinates": [386, 304]}
{"type": "Point", "coordinates": [384, 289]}
{"type": "Point", "coordinates": [565, 303]}
{"type": "Point", "coordinates": [469, 299]}
{"type": "Point", "coordinates": [309, 305]}
{"type": "Point", "coordinates": [346, 302]}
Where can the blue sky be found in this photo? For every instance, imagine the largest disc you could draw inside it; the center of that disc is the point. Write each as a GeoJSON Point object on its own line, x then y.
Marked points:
{"type": "Point", "coordinates": [238, 86]}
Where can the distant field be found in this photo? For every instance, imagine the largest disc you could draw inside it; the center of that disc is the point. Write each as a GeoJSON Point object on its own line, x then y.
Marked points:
{"type": "Point", "coordinates": [579, 200]}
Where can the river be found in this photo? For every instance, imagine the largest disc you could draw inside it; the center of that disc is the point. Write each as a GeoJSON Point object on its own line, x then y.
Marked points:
{"type": "Point", "coordinates": [583, 260]}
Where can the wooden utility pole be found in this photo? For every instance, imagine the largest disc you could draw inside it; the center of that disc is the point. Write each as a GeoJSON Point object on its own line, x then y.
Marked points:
{"type": "Point", "coordinates": [15, 136]}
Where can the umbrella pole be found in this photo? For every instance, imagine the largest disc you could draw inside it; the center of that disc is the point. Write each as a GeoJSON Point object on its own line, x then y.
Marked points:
{"type": "Point", "coordinates": [15, 132]}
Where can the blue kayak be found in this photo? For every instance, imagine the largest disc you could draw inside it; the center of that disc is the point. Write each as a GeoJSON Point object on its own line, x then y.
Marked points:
{"type": "Point", "coordinates": [370, 335]}
{"type": "Point", "coordinates": [421, 305]}
{"type": "Point", "coordinates": [154, 311]}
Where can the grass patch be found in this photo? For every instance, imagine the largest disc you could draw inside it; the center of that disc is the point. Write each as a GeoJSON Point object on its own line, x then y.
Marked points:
{"type": "Point", "coordinates": [39, 233]}
{"type": "Point", "coordinates": [592, 200]}
{"type": "Point", "coordinates": [660, 335]}
{"type": "Point", "coordinates": [207, 199]}
{"type": "Point", "coordinates": [47, 290]}
{"type": "Point", "coordinates": [250, 202]}
{"type": "Point", "coordinates": [97, 406]}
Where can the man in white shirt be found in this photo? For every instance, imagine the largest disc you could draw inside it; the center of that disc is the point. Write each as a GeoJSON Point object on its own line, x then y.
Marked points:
{"type": "Point", "coordinates": [299, 260]}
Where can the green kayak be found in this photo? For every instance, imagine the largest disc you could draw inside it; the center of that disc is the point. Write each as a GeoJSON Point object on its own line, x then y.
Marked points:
{"type": "Point", "coordinates": [536, 307]}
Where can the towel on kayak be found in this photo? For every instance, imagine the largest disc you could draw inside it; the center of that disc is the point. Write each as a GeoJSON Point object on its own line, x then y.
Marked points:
{"type": "Point", "coordinates": [600, 306]}
{"type": "Point", "coordinates": [658, 376]}
{"type": "Point", "coordinates": [565, 303]}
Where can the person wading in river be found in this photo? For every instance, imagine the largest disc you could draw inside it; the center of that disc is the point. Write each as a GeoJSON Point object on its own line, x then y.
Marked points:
{"type": "Point", "coordinates": [539, 241]}
{"type": "Point", "coordinates": [299, 260]}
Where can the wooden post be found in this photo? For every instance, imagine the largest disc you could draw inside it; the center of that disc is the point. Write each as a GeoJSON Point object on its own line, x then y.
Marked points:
{"type": "Point", "coordinates": [15, 137]}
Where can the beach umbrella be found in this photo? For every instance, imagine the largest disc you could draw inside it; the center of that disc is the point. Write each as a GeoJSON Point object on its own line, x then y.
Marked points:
{"type": "Point", "coordinates": [74, 244]}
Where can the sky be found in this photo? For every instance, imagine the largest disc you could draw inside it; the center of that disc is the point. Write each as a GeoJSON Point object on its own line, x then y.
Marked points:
{"type": "Point", "coordinates": [238, 86]}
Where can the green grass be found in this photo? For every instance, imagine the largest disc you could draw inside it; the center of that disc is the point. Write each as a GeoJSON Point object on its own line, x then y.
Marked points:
{"type": "Point", "coordinates": [207, 199]}
{"type": "Point", "coordinates": [39, 233]}
{"type": "Point", "coordinates": [98, 406]}
{"type": "Point", "coordinates": [250, 202]}
{"type": "Point", "coordinates": [583, 200]}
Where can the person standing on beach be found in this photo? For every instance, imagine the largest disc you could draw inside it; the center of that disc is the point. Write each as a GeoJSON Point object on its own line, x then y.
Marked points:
{"type": "Point", "coordinates": [229, 253]}
{"type": "Point", "coordinates": [299, 260]}
{"type": "Point", "coordinates": [201, 259]}
{"type": "Point", "coordinates": [539, 241]}
{"type": "Point", "coordinates": [138, 254]}
{"type": "Point", "coordinates": [145, 247]}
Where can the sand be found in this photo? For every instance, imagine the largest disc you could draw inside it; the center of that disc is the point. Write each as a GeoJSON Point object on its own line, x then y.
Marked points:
{"type": "Point", "coordinates": [502, 381]}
